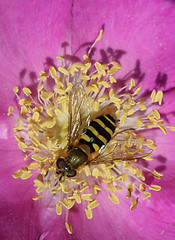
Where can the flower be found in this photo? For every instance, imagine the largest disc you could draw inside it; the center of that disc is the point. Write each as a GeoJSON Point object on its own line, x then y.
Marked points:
{"type": "Point", "coordinates": [20, 194]}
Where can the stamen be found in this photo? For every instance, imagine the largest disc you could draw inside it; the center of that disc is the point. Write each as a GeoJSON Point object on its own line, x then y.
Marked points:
{"type": "Point", "coordinates": [51, 124]}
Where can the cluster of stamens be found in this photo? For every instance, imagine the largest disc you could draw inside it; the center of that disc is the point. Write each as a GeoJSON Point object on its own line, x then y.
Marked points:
{"type": "Point", "coordinates": [42, 129]}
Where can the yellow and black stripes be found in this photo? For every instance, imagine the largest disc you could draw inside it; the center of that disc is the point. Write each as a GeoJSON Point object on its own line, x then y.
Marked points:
{"type": "Point", "coordinates": [98, 133]}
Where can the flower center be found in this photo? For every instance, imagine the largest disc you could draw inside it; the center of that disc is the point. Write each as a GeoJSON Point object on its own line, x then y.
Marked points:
{"type": "Point", "coordinates": [70, 101]}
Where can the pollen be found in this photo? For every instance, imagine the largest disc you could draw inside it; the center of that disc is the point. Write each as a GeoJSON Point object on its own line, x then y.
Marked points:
{"type": "Point", "coordinates": [51, 122]}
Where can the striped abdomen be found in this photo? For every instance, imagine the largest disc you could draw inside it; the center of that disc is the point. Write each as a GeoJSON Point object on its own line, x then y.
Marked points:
{"type": "Point", "coordinates": [99, 132]}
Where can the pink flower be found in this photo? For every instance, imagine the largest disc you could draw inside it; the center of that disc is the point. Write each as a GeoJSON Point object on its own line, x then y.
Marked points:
{"type": "Point", "coordinates": [140, 35]}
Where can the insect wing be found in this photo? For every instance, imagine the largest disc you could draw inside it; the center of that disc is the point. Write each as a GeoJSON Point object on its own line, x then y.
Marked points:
{"type": "Point", "coordinates": [78, 112]}
{"type": "Point", "coordinates": [117, 152]}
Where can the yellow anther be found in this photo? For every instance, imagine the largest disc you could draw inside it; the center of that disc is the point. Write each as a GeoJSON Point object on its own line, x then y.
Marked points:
{"type": "Point", "coordinates": [68, 227]}
{"type": "Point", "coordinates": [155, 187]}
{"type": "Point", "coordinates": [137, 90]}
{"type": "Point", "coordinates": [132, 83]}
{"type": "Point", "coordinates": [36, 197]}
{"type": "Point", "coordinates": [114, 198]}
{"type": "Point", "coordinates": [63, 70]}
{"type": "Point", "coordinates": [58, 209]}
{"type": "Point", "coordinates": [99, 35]}
{"type": "Point", "coordinates": [88, 213]}
{"type": "Point", "coordinates": [16, 89]}
{"type": "Point", "coordinates": [27, 91]}
{"type": "Point", "coordinates": [10, 110]}
{"type": "Point", "coordinates": [46, 95]}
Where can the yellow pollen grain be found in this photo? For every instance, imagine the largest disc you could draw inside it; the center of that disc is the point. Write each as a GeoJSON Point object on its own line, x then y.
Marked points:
{"type": "Point", "coordinates": [114, 198]}
{"type": "Point", "coordinates": [137, 90]}
{"type": "Point", "coordinates": [113, 70]}
{"type": "Point", "coordinates": [132, 83]}
{"type": "Point", "coordinates": [58, 209]}
{"type": "Point", "coordinates": [118, 188]}
{"type": "Point", "coordinates": [38, 109]}
{"type": "Point", "coordinates": [24, 110]}
{"type": "Point", "coordinates": [27, 91]}
{"type": "Point", "coordinates": [142, 107]}
{"type": "Point", "coordinates": [147, 195]}
{"type": "Point", "coordinates": [104, 83]}
{"type": "Point", "coordinates": [153, 95]}
{"type": "Point", "coordinates": [25, 101]}
{"type": "Point", "coordinates": [39, 158]}
{"type": "Point", "coordinates": [134, 203]}
{"type": "Point", "coordinates": [84, 77]}
{"type": "Point", "coordinates": [59, 91]}
{"type": "Point", "coordinates": [156, 114]}
{"type": "Point", "coordinates": [96, 187]}
{"type": "Point", "coordinates": [156, 174]}
{"type": "Point", "coordinates": [36, 197]}
{"type": "Point", "coordinates": [86, 59]}
{"type": "Point", "coordinates": [50, 112]}
{"type": "Point", "coordinates": [159, 97]}
{"type": "Point", "coordinates": [88, 213]}
{"type": "Point", "coordinates": [46, 95]}
{"type": "Point", "coordinates": [139, 122]}
{"type": "Point", "coordinates": [142, 187]}
{"type": "Point", "coordinates": [155, 187]}
{"type": "Point", "coordinates": [87, 170]}
{"type": "Point", "coordinates": [22, 146]}
{"type": "Point", "coordinates": [49, 124]}
{"type": "Point", "coordinates": [152, 146]}
{"type": "Point", "coordinates": [16, 89]}
{"type": "Point", "coordinates": [116, 101]}
{"type": "Point", "coordinates": [84, 188]}
{"type": "Point", "coordinates": [87, 196]}
{"type": "Point", "coordinates": [68, 227]}
{"type": "Point", "coordinates": [92, 87]}
{"type": "Point", "coordinates": [35, 116]}
{"type": "Point", "coordinates": [52, 71]}
{"type": "Point", "coordinates": [17, 174]}
{"type": "Point", "coordinates": [19, 138]}
{"type": "Point", "coordinates": [93, 204]}
{"type": "Point", "coordinates": [26, 175]}
{"type": "Point", "coordinates": [148, 158]}
{"type": "Point", "coordinates": [130, 112]}
{"type": "Point", "coordinates": [95, 172]}
{"type": "Point", "coordinates": [163, 129]}
{"type": "Point", "coordinates": [99, 36]}
{"type": "Point", "coordinates": [171, 128]}
{"type": "Point", "coordinates": [42, 78]}
{"type": "Point", "coordinates": [96, 106]}
{"type": "Point", "coordinates": [10, 110]}
{"type": "Point", "coordinates": [123, 118]}
{"type": "Point", "coordinates": [32, 165]}
{"type": "Point", "coordinates": [63, 70]}
{"type": "Point", "coordinates": [112, 79]}
{"type": "Point", "coordinates": [60, 57]}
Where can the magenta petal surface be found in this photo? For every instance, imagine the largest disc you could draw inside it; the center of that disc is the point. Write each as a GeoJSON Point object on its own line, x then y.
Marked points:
{"type": "Point", "coordinates": [138, 35]}
{"type": "Point", "coordinates": [32, 34]}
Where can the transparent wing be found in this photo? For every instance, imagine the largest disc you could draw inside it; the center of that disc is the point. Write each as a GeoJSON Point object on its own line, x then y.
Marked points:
{"type": "Point", "coordinates": [78, 112]}
{"type": "Point", "coordinates": [121, 150]}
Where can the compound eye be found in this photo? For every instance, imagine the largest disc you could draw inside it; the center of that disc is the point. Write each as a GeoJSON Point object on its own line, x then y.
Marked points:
{"type": "Point", "coordinates": [61, 164]}
{"type": "Point", "coordinates": [71, 173]}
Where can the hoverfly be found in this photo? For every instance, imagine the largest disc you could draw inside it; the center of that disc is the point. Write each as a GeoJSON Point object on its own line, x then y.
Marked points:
{"type": "Point", "coordinates": [85, 137]}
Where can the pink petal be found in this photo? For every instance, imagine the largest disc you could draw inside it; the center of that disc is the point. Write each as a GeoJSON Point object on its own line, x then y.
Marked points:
{"type": "Point", "coordinates": [143, 31]}
{"type": "Point", "coordinates": [32, 34]}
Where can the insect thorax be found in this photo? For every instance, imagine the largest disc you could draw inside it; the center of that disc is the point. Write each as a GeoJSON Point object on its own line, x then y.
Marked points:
{"type": "Point", "coordinates": [76, 158]}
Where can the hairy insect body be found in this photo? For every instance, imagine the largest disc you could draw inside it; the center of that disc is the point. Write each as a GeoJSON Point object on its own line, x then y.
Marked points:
{"type": "Point", "coordinates": [94, 138]}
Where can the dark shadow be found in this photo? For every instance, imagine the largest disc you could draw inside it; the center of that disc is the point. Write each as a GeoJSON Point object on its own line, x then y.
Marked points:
{"type": "Point", "coordinates": [161, 80]}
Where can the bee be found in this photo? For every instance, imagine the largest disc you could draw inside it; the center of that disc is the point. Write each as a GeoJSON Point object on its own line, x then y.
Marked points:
{"type": "Point", "coordinates": [85, 138]}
